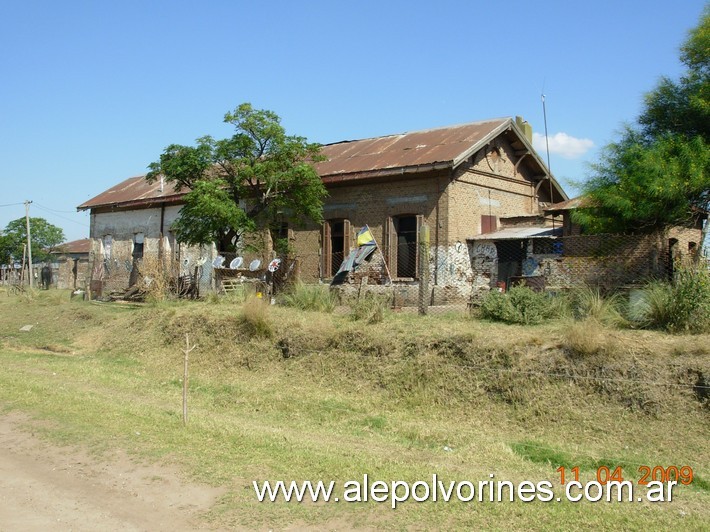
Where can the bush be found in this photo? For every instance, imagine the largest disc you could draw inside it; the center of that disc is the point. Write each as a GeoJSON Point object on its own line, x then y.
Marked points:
{"type": "Point", "coordinates": [519, 305]}
{"type": "Point", "coordinates": [310, 297]}
{"type": "Point", "coordinates": [681, 306]}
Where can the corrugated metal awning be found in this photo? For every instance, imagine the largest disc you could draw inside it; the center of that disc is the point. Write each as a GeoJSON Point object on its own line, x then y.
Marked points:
{"type": "Point", "coordinates": [519, 233]}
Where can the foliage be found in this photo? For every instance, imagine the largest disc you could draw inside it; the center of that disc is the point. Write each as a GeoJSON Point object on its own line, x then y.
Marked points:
{"type": "Point", "coordinates": [643, 185]}
{"type": "Point", "coordinates": [253, 179]}
{"type": "Point", "coordinates": [684, 106]}
{"type": "Point", "coordinates": [519, 305]}
{"type": "Point", "coordinates": [310, 297]}
{"type": "Point", "coordinates": [681, 306]}
{"type": "Point", "coordinates": [657, 174]}
{"type": "Point", "coordinates": [45, 238]}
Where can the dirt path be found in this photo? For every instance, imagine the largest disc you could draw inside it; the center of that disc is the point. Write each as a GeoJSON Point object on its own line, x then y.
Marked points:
{"type": "Point", "coordinates": [45, 487]}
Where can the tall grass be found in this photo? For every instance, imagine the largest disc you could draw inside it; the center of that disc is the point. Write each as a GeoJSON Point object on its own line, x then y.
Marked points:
{"type": "Point", "coordinates": [370, 308]}
{"type": "Point", "coordinates": [590, 303]}
{"type": "Point", "coordinates": [256, 318]}
{"type": "Point", "coordinates": [681, 306]}
{"type": "Point", "coordinates": [313, 297]}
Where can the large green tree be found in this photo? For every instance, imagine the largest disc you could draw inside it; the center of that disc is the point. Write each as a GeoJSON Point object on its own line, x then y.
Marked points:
{"type": "Point", "coordinates": [255, 179]}
{"type": "Point", "coordinates": [45, 238]}
{"type": "Point", "coordinates": [658, 173]}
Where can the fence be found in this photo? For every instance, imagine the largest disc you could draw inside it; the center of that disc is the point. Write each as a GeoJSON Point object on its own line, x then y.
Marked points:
{"type": "Point", "coordinates": [416, 275]}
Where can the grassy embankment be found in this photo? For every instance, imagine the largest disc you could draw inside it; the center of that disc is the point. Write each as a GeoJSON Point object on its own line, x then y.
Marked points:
{"type": "Point", "coordinates": [295, 395]}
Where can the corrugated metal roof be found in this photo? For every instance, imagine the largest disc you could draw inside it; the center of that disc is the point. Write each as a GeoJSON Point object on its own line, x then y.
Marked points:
{"type": "Point", "coordinates": [134, 190]}
{"type": "Point", "coordinates": [446, 146]}
{"type": "Point", "coordinates": [518, 233]}
{"type": "Point", "coordinates": [569, 205]}
{"type": "Point", "coordinates": [412, 152]}
{"type": "Point", "coordinates": [75, 246]}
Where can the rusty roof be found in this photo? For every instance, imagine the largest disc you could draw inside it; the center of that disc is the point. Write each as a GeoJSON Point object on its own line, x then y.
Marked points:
{"type": "Point", "coordinates": [569, 205]}
{"type": "Point", "coordinates": [134, 191]}
{"type": "Point", "coordinates": [403, 153]}
{"type": "Point", "coordinates": [414, 151]}
{"type": "Point", "coordinates": [75, 246]}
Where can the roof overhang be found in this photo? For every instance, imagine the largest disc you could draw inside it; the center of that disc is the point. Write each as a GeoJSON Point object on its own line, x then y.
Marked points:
{"type": "Point", "coordinates": [519, 233]}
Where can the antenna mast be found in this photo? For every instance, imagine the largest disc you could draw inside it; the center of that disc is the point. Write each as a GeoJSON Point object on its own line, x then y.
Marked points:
{"type": "Point", "coordinates": [547, 148]}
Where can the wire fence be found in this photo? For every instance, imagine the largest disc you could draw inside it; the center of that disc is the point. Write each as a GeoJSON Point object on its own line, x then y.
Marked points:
{"type": "Point", "coordinates": [416, 275]}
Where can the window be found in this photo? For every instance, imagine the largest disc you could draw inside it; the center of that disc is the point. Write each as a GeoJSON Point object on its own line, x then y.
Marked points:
{"type": "Point", "coordinates": [488, 224]}
{"type": "Point", "coordinates": [138, 239]}
{"type": "Point", "coordinates": [336, 245]}
{"type": "Point", "coordinates": [543, 246]}
{"type": "Point", "coordinates": [401, 236]}
{"type": "Point", "coordinates": [107, 242]}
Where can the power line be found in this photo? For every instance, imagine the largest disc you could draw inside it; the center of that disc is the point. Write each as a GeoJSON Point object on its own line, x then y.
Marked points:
{"type": "Point", "coordinates": [59, 216]}
{"type": "Point", "coordinates": [53, 210]}
{"type": "Point", "coordinates": [11, 204]}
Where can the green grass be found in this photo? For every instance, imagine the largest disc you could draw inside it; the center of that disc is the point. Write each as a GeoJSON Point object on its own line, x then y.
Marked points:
{"type": "Point", "coordinates": [399, 399]}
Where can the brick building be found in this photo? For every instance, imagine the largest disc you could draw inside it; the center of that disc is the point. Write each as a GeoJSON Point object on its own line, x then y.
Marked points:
{"type": "Point", "coordinates": [460, 181]}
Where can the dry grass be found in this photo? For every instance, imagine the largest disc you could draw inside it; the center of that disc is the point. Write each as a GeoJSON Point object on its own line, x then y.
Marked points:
{"type": "Point", "coordinates": [324, 397]}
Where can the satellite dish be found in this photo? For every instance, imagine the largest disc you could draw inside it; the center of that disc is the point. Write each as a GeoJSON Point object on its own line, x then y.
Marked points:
{"type": "Point", "coordinates": [201, 261]}
{"type": "Point", "coordinates": [236, 263]}
{"type": "Point", "coordinates": [217, 263]}
{"type": "Point", "coordinates": [186, 262]}
{"type": "Point", "coordinates": [274, 265]}
{"type": "Point", "coordinates": [254, 265]}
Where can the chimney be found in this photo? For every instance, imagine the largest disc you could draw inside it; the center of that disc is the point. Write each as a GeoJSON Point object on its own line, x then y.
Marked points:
{"type": "Point", "coordinates": [525, 127]}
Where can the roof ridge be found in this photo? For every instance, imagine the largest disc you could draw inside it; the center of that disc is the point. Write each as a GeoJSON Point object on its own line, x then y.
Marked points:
{"type": "Point", "coordinates": [427, 130]}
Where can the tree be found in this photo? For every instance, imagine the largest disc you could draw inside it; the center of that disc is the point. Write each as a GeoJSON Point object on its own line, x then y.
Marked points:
{"type": "Point", "coordinates": [658, 173]}
{"type": "Point", "coordinates": [252, 180]}
{"type": "Point", "coordinates": [683, 107]}
{"type": "Point", "coordinates": [45, 237]}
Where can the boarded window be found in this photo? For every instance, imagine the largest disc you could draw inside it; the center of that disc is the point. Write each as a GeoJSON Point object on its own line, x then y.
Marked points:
{"type": "Point", "coordinates": [107, 244]}
{"type": "Point", "coordinates": [488, 224]}
{"type": "Point", "coordinates": [138, 241]}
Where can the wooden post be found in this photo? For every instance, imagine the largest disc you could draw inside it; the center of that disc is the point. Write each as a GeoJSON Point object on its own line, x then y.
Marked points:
{"type": "Point", "coordinates": [29, 240]}
{"type": "Point", "coordinates": [423, 268]}
{"type": "Point", "coordinates": [185, 377]}
{"type": "Point", "coordinates": [24, 257]}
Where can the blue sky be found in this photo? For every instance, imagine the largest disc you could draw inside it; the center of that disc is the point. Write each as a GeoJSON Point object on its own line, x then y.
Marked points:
{"type": "Point", "coordinates": [92, 92]}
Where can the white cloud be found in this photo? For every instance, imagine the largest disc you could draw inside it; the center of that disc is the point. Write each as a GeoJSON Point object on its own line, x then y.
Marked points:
{"type": "Point", "coordinates": [563, 145]}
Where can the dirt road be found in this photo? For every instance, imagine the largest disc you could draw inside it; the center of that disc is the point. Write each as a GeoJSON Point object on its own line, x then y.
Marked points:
{"type": "Point", "coordinates": [45, 487]}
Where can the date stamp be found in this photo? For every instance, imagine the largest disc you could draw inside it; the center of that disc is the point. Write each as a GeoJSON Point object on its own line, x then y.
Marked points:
{"type": "Point", "coordinates": [645, 474]}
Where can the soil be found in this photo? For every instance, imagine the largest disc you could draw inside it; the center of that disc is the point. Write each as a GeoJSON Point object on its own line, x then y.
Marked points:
{"type": "Point", "coordinates": [45, 486]}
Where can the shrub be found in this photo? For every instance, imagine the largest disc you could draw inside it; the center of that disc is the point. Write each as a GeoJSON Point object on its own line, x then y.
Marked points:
{"type": "Point", "coordinates": [681, 306]}
{"type": "Point", "coordinates": [519, 305]}
{"type": "Point", "coordinates": [310, 297]}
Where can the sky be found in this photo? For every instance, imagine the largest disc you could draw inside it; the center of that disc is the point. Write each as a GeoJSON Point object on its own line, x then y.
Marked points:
{"type": "Point", "coordinates": [91, 92]}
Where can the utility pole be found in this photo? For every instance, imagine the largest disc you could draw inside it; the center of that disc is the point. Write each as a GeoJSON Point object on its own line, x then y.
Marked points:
{"type": "Point", "coordinates": [29, 240]}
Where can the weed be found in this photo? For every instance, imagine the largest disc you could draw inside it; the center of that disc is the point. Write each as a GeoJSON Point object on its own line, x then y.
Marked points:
{"type": "Point", "coordinates": [590, 303]}
{"type": "Point", "coordinates": [255, 316]}
{"type": "Point", "coordinates": [312, 297]}
{"type": "Point", "coordinates": [370, 308]}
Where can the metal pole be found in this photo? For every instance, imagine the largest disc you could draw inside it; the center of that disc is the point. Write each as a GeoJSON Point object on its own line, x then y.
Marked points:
{"type": "Point", "coordinates": [29, 240]}
{"type": "Point", "coordinates": [423, 268]}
